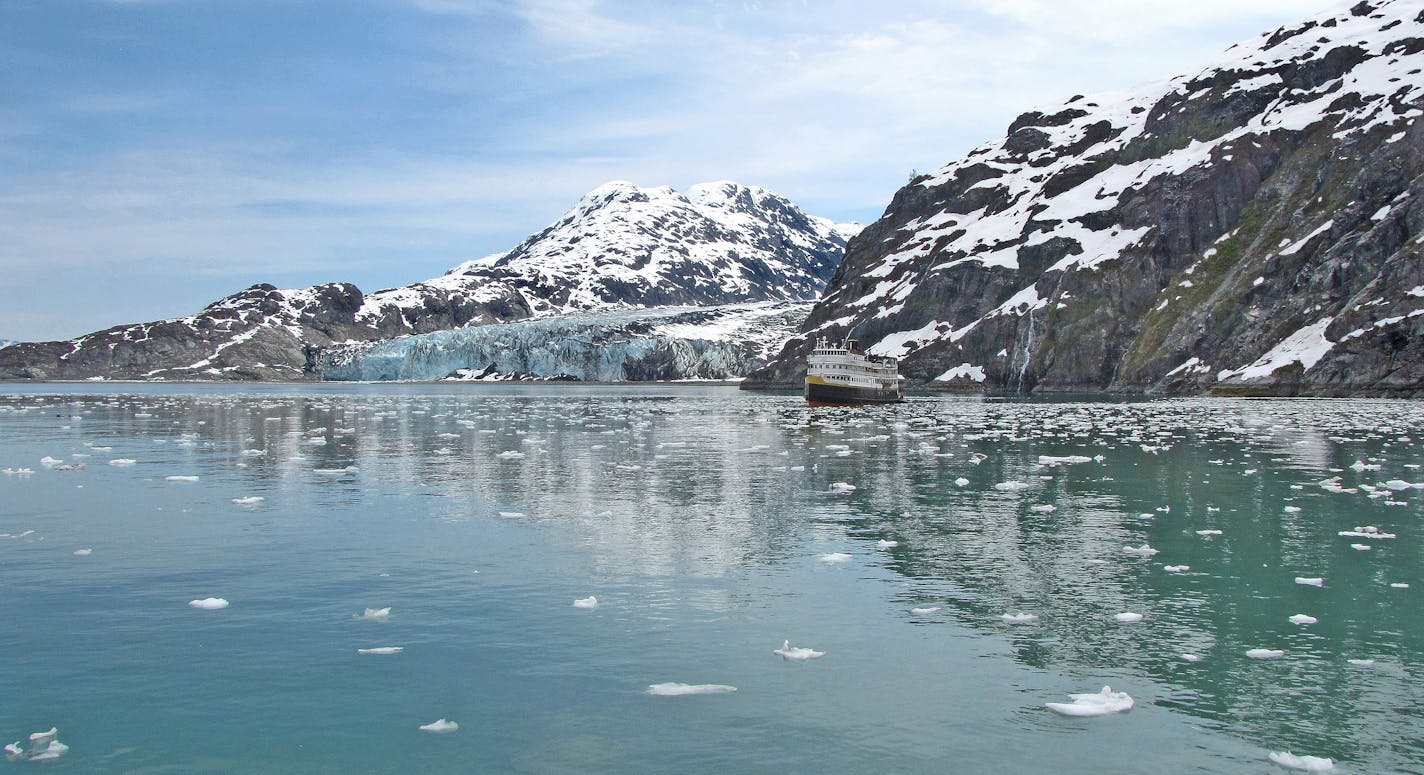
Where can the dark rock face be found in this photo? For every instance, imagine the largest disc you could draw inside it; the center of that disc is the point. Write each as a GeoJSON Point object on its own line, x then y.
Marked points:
{"type": "Point", "coordinates": [1254, 228]}
{"type": "Point", "coordinates": [620, 247]}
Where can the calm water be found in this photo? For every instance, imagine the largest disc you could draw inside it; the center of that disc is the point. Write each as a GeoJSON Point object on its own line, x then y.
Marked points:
{"type": "Point", "coordinates": [706, 523]}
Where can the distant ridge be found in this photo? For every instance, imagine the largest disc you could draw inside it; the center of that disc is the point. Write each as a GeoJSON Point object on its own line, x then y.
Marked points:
{"type": "Point", "coordinates": [620, 247]}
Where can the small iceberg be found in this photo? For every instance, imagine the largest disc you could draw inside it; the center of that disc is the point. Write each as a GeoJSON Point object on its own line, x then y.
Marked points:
{"type": "Point", "coordinates": [1310, 582]}
{"type": "Point", "coordinates": [925, 610]}
{"type": "Point", "coordinates": [209, 603]}
{"type": "Point", "coordinates": [440, 727]}
{"type": "Point", "coordinates": [1099, 704]}
{"type": "Point", "coordinates": [375, 614]}
{"type": "Point", "coordinates": [586, 602]}
{"type": "Point", "coordinates": [1019, 618]}
{"type": "Point", "coordinates": [1265, 653]}
{"type": "Point", "coordinates": [382, 650]}
{"type": "Point", "coordinates": [1399, 585]}
{"type": "Point", "coordinates": [1303, 763]}
{"type": "Point", "coordinates": [884, 544]}
{"type": "Point", "coordinates": [1012, 486]}
{"type": "Point", "coordinates": [1128, 617]}
{"type": "Point", "coordinates": [842, 487]}
{"type": "Point", "coordinates": [83, 552]}
{"type": "Point", "coordinates": [1176, 568]}
{"type": "Point", "coordinates": [123, 462]}
{"type": "Point", "coordinates": [1208, 532]}
{"type": "Point", "coordinates": [1191, 658]}
{"type": "Point", "coordinates": [510, 455]}
{"type": "Point", "coordinates": [680, 689]}
{"type": "Point", "coordinates": [1361, 662]}
{"type": "Point", "coordinates": [181, 478]}
{"type": "Point", "coordinates": [834, 558]}
{"type": "Point", "coordinates": [251, 500]}
{"type": "Point", "coordinates": [961, 482]}
{"type": "Point", "coordinates": [44, 746]}
{"type": "Point", "coordinates": [1139, 551]}
{"type": "Point", "coordinates": [788, 651]}
{"type": "Point", "coordinates": [1303, 619]}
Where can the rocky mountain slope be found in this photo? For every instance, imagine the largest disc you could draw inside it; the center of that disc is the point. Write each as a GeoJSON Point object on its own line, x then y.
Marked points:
{"type": "Point", "coordinates": [1255, 227]}
{"type": "Point", "coordinates": [620, 247]}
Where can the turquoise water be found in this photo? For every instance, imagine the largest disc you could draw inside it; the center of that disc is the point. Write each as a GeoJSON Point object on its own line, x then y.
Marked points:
{"type": "Point", "coordinates": [705, 522]}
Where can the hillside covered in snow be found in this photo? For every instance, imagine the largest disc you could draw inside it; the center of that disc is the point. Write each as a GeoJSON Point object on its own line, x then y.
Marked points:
{"type": "Point", "coordinates": [620, 248]}
{"type": "Point", "coordinates": [1253, 227]}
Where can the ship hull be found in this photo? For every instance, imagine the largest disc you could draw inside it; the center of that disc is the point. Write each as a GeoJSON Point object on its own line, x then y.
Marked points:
{"type": "Point", "coordinates": [820, 393]}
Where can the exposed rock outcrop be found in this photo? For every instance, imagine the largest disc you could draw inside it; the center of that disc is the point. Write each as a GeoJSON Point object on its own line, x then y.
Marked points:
{"type": "Point", "coordinates": [1255, 227]}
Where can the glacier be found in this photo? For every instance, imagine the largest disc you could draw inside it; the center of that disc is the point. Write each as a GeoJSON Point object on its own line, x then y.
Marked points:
{"type": "Point", "coordinates": [665, 343]}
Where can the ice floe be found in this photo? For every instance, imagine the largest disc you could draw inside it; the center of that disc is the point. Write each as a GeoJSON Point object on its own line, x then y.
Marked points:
{"type": "Point", "coordinates": [375, 614]}
{"type": "Point", "coordinates": [83, 552]}
{"type": "Point", "coordinates": [250, 500]}
{"type": "Point", "coordinates": [382, 650]}
{"type": "Point", "coordinates": [1191, 658]}
{"type": "Point", "coordinates": [788, 651]}
{"type": "Point", "coordinates": [44, 746]}
{"type": "Point", "coordinates": [1176, 568]}
{"type": "Point", "coordinates": [440, 727]}
{"type": "Point", "coordinates": [1265, 653]}
{"type": "Point", "coordinates": [673, 689]}
{"type": "Point", "coordinates": [1139, 551]}
{"type": "Point", "coordinates": [123, 462]}
{"type": "Point", "coordinates": [1310, 582]}
{"type": "Point", "coordinates": [209, 603]}
{"type": "Point", "coordinates": [1209, 532]}
{"type": "Point", "coordinates": [1128, 617]}
{"type": "Point", "coordinates": [1361, 662]}
{"type": "Point", "coordinates": [586, 602]}
{"type": "Point", "coordinates": [1303, 763]}
{"type": "Point", "coordinates": [925, 610]}
{"type": "Point", "coordinates": [1018, 618]}
{"type": "Point", "coordinates": [842, 487]}
{"type": "Point", "coordinates": [1303, 619]}
{"type": "Point", "coordinates": [1100, 703]}
{"type": "Point", "coordinates": [884, 544]}
{"type": "Point", "coordinates": [181, 478]}
{"type": "Point", "coordinates": [832, 558]}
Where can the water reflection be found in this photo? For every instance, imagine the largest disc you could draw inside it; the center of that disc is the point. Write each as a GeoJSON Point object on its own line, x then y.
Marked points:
{"type": "Point", "coordinates": [997, 507]}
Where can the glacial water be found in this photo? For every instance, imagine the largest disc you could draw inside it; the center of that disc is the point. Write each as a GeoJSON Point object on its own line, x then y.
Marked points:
{"type": "Point", "coordinates": [711, 525]}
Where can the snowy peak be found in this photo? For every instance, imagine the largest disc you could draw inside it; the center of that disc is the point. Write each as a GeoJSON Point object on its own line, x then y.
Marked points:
{"type": "Point", "coordinates": [1220, 216]}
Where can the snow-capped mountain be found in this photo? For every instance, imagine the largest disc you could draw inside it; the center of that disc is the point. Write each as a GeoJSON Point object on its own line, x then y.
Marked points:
{"type": "Point", "coordinates": [620, 247]}
{"type": "Point", "coordinates": [1255, 226]}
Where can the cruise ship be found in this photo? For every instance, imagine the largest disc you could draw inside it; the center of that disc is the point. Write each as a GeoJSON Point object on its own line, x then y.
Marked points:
{"type": "Point", "coordinates": [841, 376]}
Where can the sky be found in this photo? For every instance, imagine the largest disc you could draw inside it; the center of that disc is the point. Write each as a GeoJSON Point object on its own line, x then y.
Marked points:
{"type": "Point", "coordinates": [157, 155]}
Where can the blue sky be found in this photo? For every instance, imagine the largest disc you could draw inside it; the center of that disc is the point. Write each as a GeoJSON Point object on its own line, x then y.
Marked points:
{"type": "Point", "coordinates": [156, 155]}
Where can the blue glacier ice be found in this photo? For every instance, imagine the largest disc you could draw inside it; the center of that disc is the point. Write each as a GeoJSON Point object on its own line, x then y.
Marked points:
{"type": "Point", "coordinates": [664, 343]}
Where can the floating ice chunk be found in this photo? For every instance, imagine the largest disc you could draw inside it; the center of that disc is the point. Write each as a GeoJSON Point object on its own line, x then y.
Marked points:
{"type": "Point", "coordinates": [1400, 484]}
{"type": "Point", "coordinates": [1210, 532]}
{"type": "Point", "coordinates": [83, 552]}
{"type": "Point", "coordinates": [181, 478]}
{"type": "Point", "coordinates": [586, 602]}
{"type": "Point", "coordinates": [122, 462]}
{"type": "Point", "coordinates": [44, 738]}
{"type": "Point", "coordinates": [1099, 704]}
{"type": "Point", "coordinates": [978, 457]}
{"type": "Point", "coordinates": [788, 651]}
{"type": "Point", "coordinates": [1291, 509]}
{"type": "Point", "coordinates": [961, 482]}
{"type": "Point", "coordinates": [1191, 658]}
{"type": "Point", "coordinates": [13, 750]}
{"type": "Point", "coordinates": [50, 462]}
{"type": "Point", "coordinates": [1361, 662]}
{"type": "Point", "coordinates": [1305, 763]}
{"type": "Point", "coordinates": [1367, 531]}
{"type": "Point", "coordinates": [20, 472]}
{"type": "Point", "coordinates": [513, 514]}
{"type": "Point", "coordinates": [1043, 508]}
{"type": "Point", "coordinates": [1400, 585]}
{"type": "Point", "coordinates": [250, 500]}
{"type": "Point", "coordinates": [1265, 653]}
{"type": "Point", "coordinates": [382, 650]}
{"type": "Point", "coordinates": [1139, 551]}
{"type": "Point", "coordinates": [1176, 568]}
{"type": "Point", "coordinates": [510, 455]}
{"type": "Point", "coordinates": [50, 752]}
{"type": "Point", "coordinates": [1128, 617]}
{"type": "Point", "coordinates": [831, 558]}
{"type": "Point", "coordinates": [1012, 486]}
{"type": "Point", "coordinates": [209, 603]}
{"type": "Point", "coordinates": [253, 452]}
{"type": "Point", "coordinates": [1360, 465]}
{"type": "Point", "coordinates": [440, 727]}
{"type": "Point", "coordinates": [884, 544]}
{"type": "Point", "coordinates": [842, 487]}
{"type": "Point", "coordinates": [375, 614]}
{"type": "Point", "coordinates": [673, 689]}
{"type": "Point", "coordinates": [1303, 619]}
{"type": "Point", "coordinates": [1361, 547]}
{"type": "Point", "coordinates": [925, 610]}
{"type": "Point", "coordinates": [1019, 618]}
